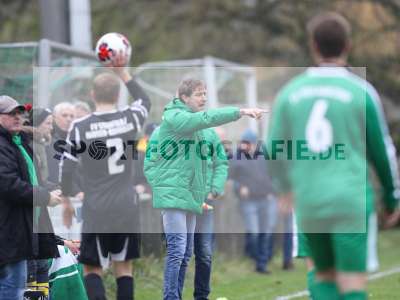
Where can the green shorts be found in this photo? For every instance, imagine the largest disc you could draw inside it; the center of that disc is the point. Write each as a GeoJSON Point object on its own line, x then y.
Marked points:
{"type": "Point", "coordinates": [345, 252]}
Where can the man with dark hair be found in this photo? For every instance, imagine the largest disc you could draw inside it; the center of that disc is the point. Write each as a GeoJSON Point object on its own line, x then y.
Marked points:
{"type": "Point", "coordinates": [179, 180]}
{"type": "Point", "coordinates": [329, 36]}
{"type": "Point", "coordinates": [23, 211]}
{"type": "Point", "coordinates": [326, 110]}
{"type": "Point", "coordinates": [110, 210]}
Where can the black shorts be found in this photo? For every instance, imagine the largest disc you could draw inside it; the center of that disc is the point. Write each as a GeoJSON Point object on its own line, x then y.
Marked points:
{"type": "Point", "coordinates": [98, 248]}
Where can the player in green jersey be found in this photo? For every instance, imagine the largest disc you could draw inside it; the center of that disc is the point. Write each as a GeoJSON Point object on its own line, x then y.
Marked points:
{"type": "Point", "coordinates": [327, 127]}
{"type": "Point", "coordinates": [302, 250]}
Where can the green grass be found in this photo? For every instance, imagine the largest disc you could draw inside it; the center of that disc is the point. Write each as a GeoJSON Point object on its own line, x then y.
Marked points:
{"type": "Point", "coordinates": [234, 279]}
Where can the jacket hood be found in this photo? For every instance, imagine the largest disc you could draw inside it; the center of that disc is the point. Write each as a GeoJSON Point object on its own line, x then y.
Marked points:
{"type": "Point", "coordinates": [177, 103]}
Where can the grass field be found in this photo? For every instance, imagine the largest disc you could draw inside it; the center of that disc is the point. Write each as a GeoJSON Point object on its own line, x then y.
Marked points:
{"type": "Point", "coordinates": [234, 279]}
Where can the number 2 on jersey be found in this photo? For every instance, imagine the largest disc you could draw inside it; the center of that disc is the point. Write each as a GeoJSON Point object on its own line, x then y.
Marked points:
{"type": "Point", "coordinates": [113, 167]}
{"type": "Point", "coordinates": [319, 133]}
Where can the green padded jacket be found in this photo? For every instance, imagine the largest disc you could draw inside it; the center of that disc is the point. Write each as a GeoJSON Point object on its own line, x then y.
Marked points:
{"type": "Point", "coordinates": [176, 159]}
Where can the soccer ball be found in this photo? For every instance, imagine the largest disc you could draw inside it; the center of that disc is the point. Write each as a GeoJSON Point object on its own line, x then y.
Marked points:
{"type": "Point", "coordinates": [110, 44]}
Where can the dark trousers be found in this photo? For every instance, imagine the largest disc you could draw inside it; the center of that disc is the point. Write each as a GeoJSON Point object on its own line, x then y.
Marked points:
{"type": "Point", "coordinates": [203, 246]}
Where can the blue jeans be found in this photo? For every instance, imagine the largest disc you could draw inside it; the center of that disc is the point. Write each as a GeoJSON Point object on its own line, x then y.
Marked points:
{"type": "Point", "coordinates": [287, 221]}
{"type": "Point", "coordinates": [203, 246]}
{"type": "Point", "coordinates": [179, 226]}
{"type": "Point", "coordinates": [259, 217]}
{"type": "Point", "coordinates": [13, 280]}
{"type": "Point", "coordinates": [288, 239]}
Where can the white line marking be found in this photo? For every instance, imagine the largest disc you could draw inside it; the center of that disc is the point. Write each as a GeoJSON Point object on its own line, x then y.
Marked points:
{"type": "Point", "coordinates": [383, 274]}
{"type": "Point", "coordinates": [294, 295]}
{"type": "Point", "coordinates": [371, 277]}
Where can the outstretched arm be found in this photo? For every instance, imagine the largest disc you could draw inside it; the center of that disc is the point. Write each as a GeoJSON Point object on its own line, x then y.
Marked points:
{"type": "Point", "coordinates": [186, 122]}
{"type": "Point", "coordinates": [141, 104]}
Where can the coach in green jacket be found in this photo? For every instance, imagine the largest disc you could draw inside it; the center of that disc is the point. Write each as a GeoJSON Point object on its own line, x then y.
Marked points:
{"type": "Point", "coordinates": [176, 160]}
{"type": "Point", "coordinates": [176, 169]}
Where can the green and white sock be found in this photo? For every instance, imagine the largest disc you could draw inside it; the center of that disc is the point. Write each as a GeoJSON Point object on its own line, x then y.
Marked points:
{"type": "Point", "coordinates": [325, 290]}
{"type": "Point", "coordinates": [311, 282]}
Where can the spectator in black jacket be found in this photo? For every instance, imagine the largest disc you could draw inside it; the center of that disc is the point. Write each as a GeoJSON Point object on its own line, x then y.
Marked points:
{"type": "Point", "coordinates": [23, 204]}
{"type": "Point", "coordinates": [257, 204]}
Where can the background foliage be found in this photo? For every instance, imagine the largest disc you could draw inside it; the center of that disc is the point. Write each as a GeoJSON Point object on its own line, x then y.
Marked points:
{"type": "Point", "coordinates": [255, 32]}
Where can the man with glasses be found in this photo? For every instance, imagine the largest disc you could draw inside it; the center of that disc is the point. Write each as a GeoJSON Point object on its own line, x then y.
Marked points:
{"type": "Point", "coordinates": [22, 204]}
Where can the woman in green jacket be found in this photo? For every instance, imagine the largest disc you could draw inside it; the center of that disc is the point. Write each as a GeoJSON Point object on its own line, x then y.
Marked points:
{"type": "Point", "coordinates": [176, 168]}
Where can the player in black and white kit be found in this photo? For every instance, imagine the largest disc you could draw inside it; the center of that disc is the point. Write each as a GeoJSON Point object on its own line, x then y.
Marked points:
{"type": "Point", "coordinates": [103, 143]}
